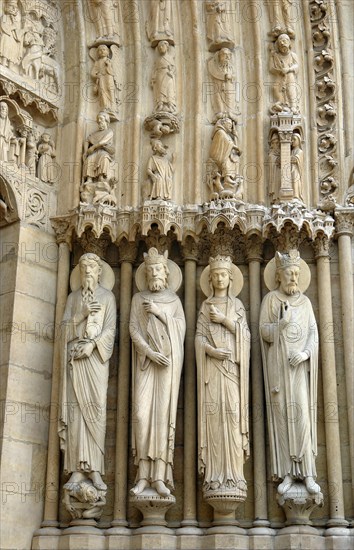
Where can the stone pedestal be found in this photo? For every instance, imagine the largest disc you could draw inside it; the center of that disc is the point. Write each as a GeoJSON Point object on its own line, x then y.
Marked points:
{"type": "Point", "coordinates": [225, 504]}
{"type": "Point", "coordinates": [154, 508]}
{"type": "Point", "coordinates": [298, 504]}
{"type": "Point", "coordinates": [80, 534]}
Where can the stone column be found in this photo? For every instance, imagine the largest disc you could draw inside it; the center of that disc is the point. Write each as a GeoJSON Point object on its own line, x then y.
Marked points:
{"type": "Point", "coordinates": [189, 524]}
{"type": "Point", "coordinates": [50, 516]}
{"type": "Point", "coordinates": [345, 220]}
{"type": "Point", "coordinates": [127, 255]}
{"type": "Point", "coordinates": [334, 466]}
{"type": "Point", "coordinates": [261, 523]}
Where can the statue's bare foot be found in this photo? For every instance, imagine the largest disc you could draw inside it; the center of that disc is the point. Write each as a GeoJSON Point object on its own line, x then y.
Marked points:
{"type": "Point", "coordinates": [214, 485]}
{"type": "Point", "coordinates": [161, 488]}
{"type": "Point", "coordinates": [285, 485]}
{"type": "Point", "coordinates": [311, 485]}
{"type": "Point", "coordinates": [97, 481]}
{"type": "Point", "coordinates": [139, 487]}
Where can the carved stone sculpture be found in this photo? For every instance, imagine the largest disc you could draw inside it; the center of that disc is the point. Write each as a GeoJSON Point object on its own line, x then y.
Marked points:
{"type": "Point", "coordinates": [31, 155]}
{"type": "Point", "coordinates": [289, 343]}
{"type": "Point", "coordinates": [159, 26]}
{"type": "Point", "coordinates": [222, 354]}
{"type": "Point", "coordinates": [157, 329]}
{"type": "Point", "coordinates": [46, 168]}
{"type": "Point", "coordinates": [87, 332]}
{"type": "Point", "coordinates": [223, 96]}
{"type": "Point", "coordinates": [219, 31]}
{"type": "Point", "coordinates": [98, 157]}
{"type": "Point", "coordinates": [104, 74]}
{"type": "Point", "coordinates": [163, 79]}
{"type": "Point", "coordinates": [11, 35]}
{"type": "Point", "coordinates": [284, 65]}
{"type": "Point", "coordinates": [282, 18]}
{"type": "Point", "coordinates": [297, 166]}
{"type": "Point", "coordinates": [274, 166]}
{"type": "Point", "coordinates": [160, 170]}
{"type": "Point", "coordinates": [223, 164]}
{"type": "Point", "coordinates": [7, 136]}
{"type": "Point", "coordinates": [104, 15]}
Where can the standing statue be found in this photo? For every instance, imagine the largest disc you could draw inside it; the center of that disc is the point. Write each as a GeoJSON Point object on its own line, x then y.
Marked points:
{"type": "Point", "coordinates": [219, 31]}
{"type": "Point", "coordinates": [289, 342]}
{"type": "Point", "coordinates": [297, 166]}
{"type": "Point", "coordinates": [281, 17]}
{"type": "Point", "coordinates": [47, 167]}
{"type": "Point", "coordinates": [284, 65]}
{"type": "Point", "coordinates": [87, 332]}
{"type": "Point", "coordinates": [274, 167]}
{"type": "Point", "coordinates": [104, 73]}
{"type": "Point", "coordinates": [7, 136]}
{"type": "Point", "coordinates": [222, 352]}
{"type": "Point", "coordinates": [104, 15]}
{"type": "Point", "coordinates": [160, 171]}
{"type": "Point", "coordinates": [99, 150]}
{"type": "Point", "coordinates": [163, 79]}
{"type": "Point", "coordinates": [11, 35]}
{"type": "Point", "coordinates": [159, 25]}
{"type": "Point", "coordinates": [225, 154]}
{"type": "Point", "coordinates": [157, 329]}
{"type": "Point", "coordinates": [221, 70]}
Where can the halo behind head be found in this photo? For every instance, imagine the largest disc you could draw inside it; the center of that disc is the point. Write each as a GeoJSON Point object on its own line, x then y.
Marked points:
{"type": "Point", "coordinates": [279, 262]}
{"type": "Point", "coordinates": [107, 278]}
{"type": "Point", "coordinates": [224, 263]}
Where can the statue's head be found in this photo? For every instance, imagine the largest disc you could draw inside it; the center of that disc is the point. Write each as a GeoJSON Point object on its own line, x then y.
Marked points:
{"type": "Point", "coordinates": [220, 272]}
{"type": "Point", "coordinates": [224, 56]}
{"type": "Point", "coordinates": [45, 137]}
{"type": "Point", "coordinates": [295, 141]}
{"type": "Point", "coordinates": [103, 120]}
{"type": "Point", "coordinates": [87, 492]}
{"type": "Point", "coordinates": [11, 7]}
{"type": "Point", "coordinates": [156, 269]}
{"type": "Point", "coordinates": [274, 141]}
{"type": "Point", "coordinates": [283, 43]}
{"type": "Point", "coordinates": [4, 110]}
{"type": "Point", "coordinates": [163, 46]}
{"type": "Point", "coordinates": [288, 271]}
{"type": "Point", "coordinates": [90, 271]}
{"type": "Point", "coordinates": [103, 51]}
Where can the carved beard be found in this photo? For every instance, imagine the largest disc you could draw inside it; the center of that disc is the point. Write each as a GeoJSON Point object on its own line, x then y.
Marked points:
{"type": "Point", "coordinates": [291, 288]}
{"type": "Point", "coordinates": [156, 284]}
{"type": "Point", "coordinates": [87, 291]}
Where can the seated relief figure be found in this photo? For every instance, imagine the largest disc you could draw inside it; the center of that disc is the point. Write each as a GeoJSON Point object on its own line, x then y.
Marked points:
{"type": "Point", "coordinates": [157, 328]}
{"type": "Point", "coordinates": [289, 342]}
{"type": "Point", "coordinates": [87, 333]}
{"type": "Point", "coordinates": [222, 351]}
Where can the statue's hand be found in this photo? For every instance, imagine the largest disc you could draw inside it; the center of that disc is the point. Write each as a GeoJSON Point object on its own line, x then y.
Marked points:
{"type": "Point", "coordinates": [83, 348]}
{"type": "Point", "coordinates": [91, 307]}
{"type": "Point", "coordinates": [151, 307]}
{"type": "Point", "coordinates": [215, 315]}
{"type": "Point", "coordinates": [159, 359]}
{"type": "Point", "coordinates": [298, 358]}
{"type": "Point", "coordinates": [219, 353]}
{"type": "Point", "coordinates": [285, 315]}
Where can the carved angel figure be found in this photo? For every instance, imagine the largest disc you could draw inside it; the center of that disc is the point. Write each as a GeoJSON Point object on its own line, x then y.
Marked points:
{"type": "Point", "coordinates": [104, 73]}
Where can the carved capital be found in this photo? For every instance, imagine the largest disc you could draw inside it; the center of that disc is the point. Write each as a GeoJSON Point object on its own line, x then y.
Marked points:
{"type": "Point", "coordinates": [90, 243]}
{"type": "Point", "coordinates": [321, 246]}
{"type": "Point", "coordinates": [127, 251]}
{"type": "Point", "coordinates": [222, 242]}
{"type": "Point", "coordinates": [289, 238]}
{"type": "Point", "coordinates": [63, 227]}
{"type": "Point", "coordinates": [190, 249]}
{"type": "Point", "coordinates": [344, 222]}
{"type": "Point", "coordinates": [254, 248]}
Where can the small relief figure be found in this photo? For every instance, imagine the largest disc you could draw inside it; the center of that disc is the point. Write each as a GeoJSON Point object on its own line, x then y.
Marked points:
{"type": "Point", "coordinates": [99, 150]}
{"type": "Point", "coordinates": [297, 167]}
{"type": "Point", "coordinates": [87, 340]}
{"type": "Point", "coordinates": [83, 500]}
{"type": "Point", "coordinates": [104, 15]}
{"type": "Point", "coordinates": [31, 155]}
{"type": "Point", "coordinates": [160, 170]}
{"type": "Point", "coordinates": [223, 97]}
{"type": "Point", "coordinates": [284, 65]}
{"type": "Point", "coordinates": [104, 73]}
{"type": "Point", "coordinates": [157, 329]}
{"type": "Point", "coordinates": [34, 44]}
{"type": "Point", "coordinates": [11, 35]}
{"type": "Point", "coordinates": [219, 31]}
{"type": "Point", "coordinates": [163, 79]}
{"type": "Point", "coordinates": [47, 167]}
{"type": "Point", "coordinates": [159, 25]}
{"type": "Point", "coordinates": [222, 346]}
{"type": "Point", "coordinates": [274, 167]}
{"type": "Point", "coordinates": [7, 136]}
{"type": "Point", "coordinates": [225, 154]}
{"type": "Point", "coordinates": [289, 343]}
{"type": "Point", "coordinates": [282, 18]}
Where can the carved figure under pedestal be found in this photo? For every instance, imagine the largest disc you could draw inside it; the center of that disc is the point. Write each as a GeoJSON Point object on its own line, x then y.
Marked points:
{"type": "Point", "coordinates": [289, 342]}
{"type": "Point", "coordinates": [160, 170]}
{"type": "Point", "coordinates": [104, 15]}
{"type": "Point", "coordinates": [284, 65]}
{"type": "Point", "coordinates": [219, 31]}
{"type": "Point", "coordinates": [104, 73]}
{"type": "Point", "coordinates": [223, 164]}
{"type": "Point", "coordinates": [157, 329]}
{"type": "Point", "coordinates": [282, 18]}
{"type": "Point", "coordinates": [87, 332]}
{"type": "Point", "coordinates": [98, 157]}
{"type": "Point", "coordinates": [11, 35]}
{"type": "Point", "coordinates": [46, 168]}
{"type": "Point", "coordinates": [223, 97]}
{"type": "Point", "coordinates": [222, 353]}
{"type": "Point", "coordinates": [163, 79]}
{"type": "Point", "coordinates": [159, 26]}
